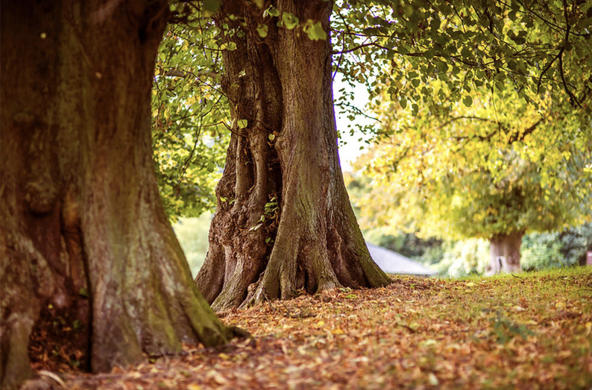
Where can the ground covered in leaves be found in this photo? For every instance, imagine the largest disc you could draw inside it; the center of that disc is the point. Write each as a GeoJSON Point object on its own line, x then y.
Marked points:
{"type": "Point", "coordinates": [526, 331]}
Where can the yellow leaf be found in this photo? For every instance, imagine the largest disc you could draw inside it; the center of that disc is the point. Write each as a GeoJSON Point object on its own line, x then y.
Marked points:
{"type": "Point", "coordinates": [564, 354]}
{"type": "Point", "coordinates": [433, 379]}
{"type": "Point", "coordinates": [194, 386]}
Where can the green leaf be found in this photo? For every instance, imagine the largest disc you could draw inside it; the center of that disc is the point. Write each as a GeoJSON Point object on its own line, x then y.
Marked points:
{"type": "Point", "coordinates": [230, 46]}
{"type": "Point", "coordinates": [259, 3]}
{"type": "Point", "coordinates": [212, 6]}
{"type": "Point", "coordinates": [289, 20]}
{"type": "Point", "coordinates": [271, 11]}
{"type": "Point", "coordinates": [262, 30]}
{"type": "Point", "coordinates": [315, 31]}
{"type": "Point", "coordinates": [465, 52]}
{"type": "Point", "coordinates": [256, 227]}
{"type": "Point", "coordinates": [83, 292]}
{"type": "Point", "coordinates": [242, 123]}
{"type": "Point", "coordinates": [403, 101]}
{"type": "Point", "coordinates": [468, 101]}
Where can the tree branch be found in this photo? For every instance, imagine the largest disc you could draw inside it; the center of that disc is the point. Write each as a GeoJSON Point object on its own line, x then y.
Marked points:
{"type": "Point", "coordinates": [572, 97]}
{"type": "Point", "coordinates": [525, 132]}
{"type": "Point", "coordinates": [518, 136]}
{"type": "Point", "coordinates": [470, 117]}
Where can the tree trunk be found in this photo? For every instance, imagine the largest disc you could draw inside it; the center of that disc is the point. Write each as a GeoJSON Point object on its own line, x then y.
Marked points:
{"type": "Point", "coordinates": [505, 253]}
{"type": "Point", "coordinates": [284, 222]}
{"type": "Point", "coordinates": [82, 226]}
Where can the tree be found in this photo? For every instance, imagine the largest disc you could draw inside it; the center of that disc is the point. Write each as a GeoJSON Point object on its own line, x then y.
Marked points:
{"type": "Point", "coordinates": [482, 170]}
{"type": "Point", "coordinates": [284, 221]}
{"type": "Point", "coordinates": [83, 229]}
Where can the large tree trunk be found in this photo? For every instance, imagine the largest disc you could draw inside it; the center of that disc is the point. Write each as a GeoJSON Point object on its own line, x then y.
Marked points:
{"type": "Point", "coordinates": [284, 221]}
{"type": "Point", "coordinates": [82, 229]}
{"type": "Point", "coordinates": [505, 253]}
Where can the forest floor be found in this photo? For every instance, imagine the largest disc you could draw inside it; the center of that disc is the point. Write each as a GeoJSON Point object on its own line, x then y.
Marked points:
{"type": "Point", "coordinates": [528, 331]}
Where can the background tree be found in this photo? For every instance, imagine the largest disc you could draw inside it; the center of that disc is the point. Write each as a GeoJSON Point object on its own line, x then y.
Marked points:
{"type": "Point", "coordinates": [482, 170]}
{"type": "Point", "coordinates": [407, 244]}
{"type": "Point", "coordinates": [189, 115]}
{"type": "Point", "coordinates": [83, 228]}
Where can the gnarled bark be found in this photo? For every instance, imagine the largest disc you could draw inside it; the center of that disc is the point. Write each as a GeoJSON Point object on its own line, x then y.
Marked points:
{"type": "Point", "coordinates": [505, 253]}
{"type": "Point", "coordinates": [285, 155]}
{"type": "Point", "coordinates": [81, 223]}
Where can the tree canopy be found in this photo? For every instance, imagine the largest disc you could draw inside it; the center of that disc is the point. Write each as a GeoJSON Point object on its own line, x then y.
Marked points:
{"type": "Point", "coordinates": [538, 46]}
{"type": "Point", "coordinates": [498, 166]}
{"type": "Point", "coordinates": [540, 49]}
{"type": "Point", "coordinates": [189, 117]}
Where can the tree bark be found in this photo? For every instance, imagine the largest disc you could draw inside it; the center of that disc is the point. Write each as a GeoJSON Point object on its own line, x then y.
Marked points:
{"type": "Point", "coordinates": [284, 222]}
{"type": "Point", "coordinates": [505, 253]}
{"type": "Point", "coordinates": [82, 225]}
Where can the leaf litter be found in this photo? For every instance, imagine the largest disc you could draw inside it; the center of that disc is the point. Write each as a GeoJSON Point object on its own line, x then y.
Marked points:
{"type": "Point", "coordinates": [532, 331]}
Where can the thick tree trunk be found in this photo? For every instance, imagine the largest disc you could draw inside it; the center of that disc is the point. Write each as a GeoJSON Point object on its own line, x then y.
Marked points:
{"type": "Point", "coordinates": [284, 221]}
{"type": "Point", "coordinates": [81, 223]}
{"type": "Point", "coordinates": [505, 253]}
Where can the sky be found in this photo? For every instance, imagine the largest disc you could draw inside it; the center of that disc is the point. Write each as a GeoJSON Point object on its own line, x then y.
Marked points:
{"type": "Point", "coordinates": [349, 145]}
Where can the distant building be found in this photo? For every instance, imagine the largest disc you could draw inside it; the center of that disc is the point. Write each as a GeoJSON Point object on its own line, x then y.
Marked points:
{"type": "Point", "coordinates": [394, 263]}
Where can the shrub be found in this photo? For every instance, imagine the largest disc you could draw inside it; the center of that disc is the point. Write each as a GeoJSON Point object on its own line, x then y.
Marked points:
{"type": "Point", "coordinates": [462, 258]}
